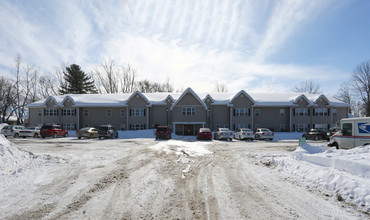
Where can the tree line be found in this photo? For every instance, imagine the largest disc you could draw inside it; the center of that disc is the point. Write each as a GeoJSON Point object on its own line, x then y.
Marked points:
{"type": "Point", "coordinates": [27, 84]}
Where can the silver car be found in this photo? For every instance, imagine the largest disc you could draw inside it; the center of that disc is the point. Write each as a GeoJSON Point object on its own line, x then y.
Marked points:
{"type": "Point", "coordinates": [223, 133]}
{"type": "Point", "coordinates": [264, 133]}
{"type": "Point", "coordinates": [30, 132]}
{"type": "Point", "coordinates": [244, 134]}
{"type": "Point", "coordinates": [12, 130]}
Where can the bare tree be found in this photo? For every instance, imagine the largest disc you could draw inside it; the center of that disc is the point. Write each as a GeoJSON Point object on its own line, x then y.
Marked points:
{"type": "Point", "coordinates": [7, 97]}
{"type": "Point", "coordinates": [308, 86]}
{"type": "Point", "coordinates": [345, 94]}
{"type": "Point", "coordinates": [146, 86]}
{"type": "Point", "coordinates": [361, 84]}
{"type": "Point", "coordinates": [111, 78]}
{"type": "Point", "coordinates": [47, 86]}
{"type": "Point", "coordinates": [220, 87]}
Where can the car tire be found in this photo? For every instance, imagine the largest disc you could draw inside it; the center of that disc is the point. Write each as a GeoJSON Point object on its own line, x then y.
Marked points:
{"type": "Point", "coordinates": [35, 135]}
{"type": "Point", "coordinates": [16, 135]}
{"type": "Point", "coordinates": [117, 135]}
{"type": "Point", "coordinates": [316, 138]}
{"type": "Point", "coordinates": [42, 136]}
{"type": "Point", "coordinates": [336, 145]}
{"type": "Point", "coordinates": [91, 136]}
{"type": "Point", "coordinates": [79, 137]}
{"type": "Point", "coordinates": [65, 135]}
{"type": "Point", "coordinates": [55, 135]}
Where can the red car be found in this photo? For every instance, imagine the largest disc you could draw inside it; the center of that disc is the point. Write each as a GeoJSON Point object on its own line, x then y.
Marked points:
{"type": "Point", "coordinates": [53, 131]}
{"type": "Point", "coordinates": [163, 132]}
{"type": "Point", "coordinates": [205, 134]}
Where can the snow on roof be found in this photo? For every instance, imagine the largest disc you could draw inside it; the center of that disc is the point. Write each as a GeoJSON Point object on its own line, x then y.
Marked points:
{"type": "Point", "coordinates": [218, 98]}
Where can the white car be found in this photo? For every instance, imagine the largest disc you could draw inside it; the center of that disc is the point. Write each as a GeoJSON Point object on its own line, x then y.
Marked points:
{"type": "Point", "coordinates": [244, 134]}
{"type": "Point", "coordinates": [223, 133]}
{"type": "Point", "coordinates": [264, 133]}
{"type": "Point", "coordinates": [30, 132]}
{"type": "Point", "coordinates": [12, 130]}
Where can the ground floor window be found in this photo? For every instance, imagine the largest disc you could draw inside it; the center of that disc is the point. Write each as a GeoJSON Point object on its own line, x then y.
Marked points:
{"type": "Point", "coordinates": [137, 126]}
{"type": "Point", "coordinates": [301, 127]}
{"type": "Point", "coordinates": [69, 126]}
{"type": "Point", "coordinates": [282, 127]}
{"type": "Point", "coordinates": [122, 127]}
{"type": "Point", "coordinates": [322, 127]}
{"type": "Point", "coordinates": [221, 126]}
{"type": "Point", "coordinates": [237, 126]}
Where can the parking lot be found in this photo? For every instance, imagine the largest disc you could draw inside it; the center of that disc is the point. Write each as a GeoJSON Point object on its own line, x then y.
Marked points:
{"type": "Point", "coordinates": [138, 177]}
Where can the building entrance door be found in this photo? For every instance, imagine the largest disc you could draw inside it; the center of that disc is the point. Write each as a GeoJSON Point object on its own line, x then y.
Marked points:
{"type": "Point", "coordinates": [188, 129]}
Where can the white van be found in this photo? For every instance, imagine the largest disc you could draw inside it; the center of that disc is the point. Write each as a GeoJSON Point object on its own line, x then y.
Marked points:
{"type": "Point", "coordinates": [353, 132]}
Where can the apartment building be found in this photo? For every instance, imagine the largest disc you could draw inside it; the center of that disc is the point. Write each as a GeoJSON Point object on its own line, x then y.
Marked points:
{"type": "Point", "coordinates": [188, 111]}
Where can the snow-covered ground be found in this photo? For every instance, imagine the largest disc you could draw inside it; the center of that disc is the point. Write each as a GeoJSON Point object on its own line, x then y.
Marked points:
{"type": "Point", "coordinates": [182, 178]}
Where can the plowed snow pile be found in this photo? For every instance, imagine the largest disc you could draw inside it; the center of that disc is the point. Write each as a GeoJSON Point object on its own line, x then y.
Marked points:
{"type": "Point", "coordinates": [13, 160]}
{"type": "Point", "coordinates": [341, 173]}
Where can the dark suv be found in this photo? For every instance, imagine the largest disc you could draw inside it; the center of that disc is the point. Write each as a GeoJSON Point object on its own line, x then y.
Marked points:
{"type": "Point", "coordinates": [53, 131]}
{"type": "Point", "coordinates": [107, 131]}
{"type": "Point", "coordinates": [163, 132]}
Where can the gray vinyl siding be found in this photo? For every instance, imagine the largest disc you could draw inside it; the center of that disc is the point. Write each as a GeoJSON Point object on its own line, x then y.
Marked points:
{"type": "Point", "coordinates": [242, 102]}
{"type": "Point", "coordinates": [34, 118]}
{"type": "Point", "coordinates": [220, 114]}
{"type": "Point", "coordinates": [270, 118]}
{"type": "Point", "coordinates": [188, 100]}
{"type": "Point", "coordinates": [97, 116]}
{"type": "Point", "coordinates": [137, 102]}
{"type": "Point", "coordinates": [158, 115]}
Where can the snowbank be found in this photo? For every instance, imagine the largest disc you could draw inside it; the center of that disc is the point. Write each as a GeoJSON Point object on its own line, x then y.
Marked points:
{"type": "Point", "coordinates": [13, 161]}
{"type": "Point", "coordinates": [192, 149]}
{"type": "Point", "coordinates": [341, 173]}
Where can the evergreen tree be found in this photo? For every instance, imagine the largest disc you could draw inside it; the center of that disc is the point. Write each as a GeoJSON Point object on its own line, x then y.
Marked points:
{"type": "Point", "coordinates": [76, 81]}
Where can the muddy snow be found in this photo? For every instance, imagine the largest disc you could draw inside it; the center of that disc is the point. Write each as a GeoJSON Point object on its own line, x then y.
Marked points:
{"type": "Point", "coordinates": [137, 177]}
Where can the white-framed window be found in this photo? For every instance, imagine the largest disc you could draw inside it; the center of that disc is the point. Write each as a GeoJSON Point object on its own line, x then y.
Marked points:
{"type": "Point", "coordinates": [282, 112]}
{"type": "Point", "coordinates": [137, 126]}
{"type": "Point", "coordinates": [237, 126]}
{"type": "Point", "coordinates": [122, 113]}
{"type": "Point", "coordinates": [68, 112]}
{"type": "Point", "coordinates": [323, 127]}
{"type": "Point", "coordinates": [137, 112]}
{"type": "Point", "coordinates": [222, 126]}
{"type": "Point", "coordinates": [257, 112]}
{"type": "Point", "coordinates": [39, 112]}
{"type": "Point", "coordinates": [51, 112]}
{"type": "Point", "coordinates": [69, 126]}
{"type": "Point", "coordinates": [334, 112]}
{"type": "Point", "coordinates": [109, 112]}
{"type": "Point", "coordinates": [241, 112]}
{"type": "Point", "coordinates": [282, 127]}
{"type": "Point", "coordinates": [301, 127]}
{"type": "Point", "coordinates": [321, 112]}
{"type": "Point", "coordinates": [301, 112]}
{"type": "Point", "coordinates": [188, 111]}
{"type": "Point", "coordinates": [86, 112]}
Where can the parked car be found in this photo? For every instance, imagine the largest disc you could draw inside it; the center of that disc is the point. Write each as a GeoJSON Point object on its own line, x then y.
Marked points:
{"type": "Point", "coordinates": [53, 131]}
{"type": "Point", "coordinates": [30, 132]}
{"type": "Point", "coordinates": [163, 132]}
{"type": "Point", "coordinates": [264, 133]}
{"type": "Point", "coordinates": [244, 133]}
{"type": "Point", "coordinates": [12, 130]}
{"type": "Point", "coordinates": [88, 132]}
{"type": "Point", "coordinates": [204, 133]}
{"type": "Point", "coordinates": [107, 131]}
{"type": "Point", "coordinates": [316, 134]}
{"type": "Point", "coordinates": [223, 133]}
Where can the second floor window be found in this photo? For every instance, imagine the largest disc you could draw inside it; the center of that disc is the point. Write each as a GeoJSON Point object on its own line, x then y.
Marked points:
{"type": "Point", "coordinates": [188, 111]}
{"type": "Point", "coordinates": [137, 112]}
{"type": "Point", "coordinates": [257, 112]}
{"type": "Point", "coordinates": [51, 112]}
{"type": "Point", "coordinates": [122, 112]}
{"type": "Point", "coordinates": [109, 112]}
{"type": "Point", "coordinates": [301, 112]}
{"type": "Point", "coordinates": [241, 112]}
{"type": "Point", "coordinates": [282, 112]}
{"type": "Point", "coordinates": [69, 112]}
{"type": "Point", "coordinates": [86, 112]}
{"type": "Point", "coordinates": [321, 112]}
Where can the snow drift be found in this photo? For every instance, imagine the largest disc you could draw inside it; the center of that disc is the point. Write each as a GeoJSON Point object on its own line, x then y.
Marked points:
{"type": "Point", "coordinates": [341, 173]}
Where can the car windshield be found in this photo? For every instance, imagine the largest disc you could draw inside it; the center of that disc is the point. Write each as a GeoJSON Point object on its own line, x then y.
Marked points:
{"type": "Point", "coordinates": [223, 129]}
{"type": "Point", "coordinates": [103, 128]}
{"type": "Point", "coordinates": [31, 128]}
{"type": "Point", "coordinates": [265, 130]}
{"type": "Point", "coordinates": [245, 129]}
{"type": "Point", "coordinates": [47, 127]}
{"type": "Point", "coordinates": [85, 129]}
{"type": "Point", "coordinates": [205, 130]}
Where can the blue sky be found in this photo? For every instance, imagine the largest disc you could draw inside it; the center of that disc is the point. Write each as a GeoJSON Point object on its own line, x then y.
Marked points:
{"type": "Point", "coordinates": [250, 45]}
